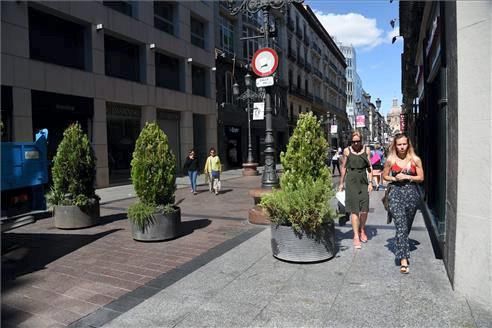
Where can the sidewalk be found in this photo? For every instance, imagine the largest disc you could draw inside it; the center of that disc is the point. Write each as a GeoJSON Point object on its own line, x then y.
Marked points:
{"type": "Point", "coordinates": [247, 287]}
{"type": "Point", "coordinates": [122, 192]}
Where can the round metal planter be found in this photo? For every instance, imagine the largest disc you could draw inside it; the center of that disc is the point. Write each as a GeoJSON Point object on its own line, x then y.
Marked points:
{"type": "Point", "coordinates": [74, 217]}
{"type": "Point", "coordinates": [302, 248]}
{"type": "Point", "coordinates": [162, 227]}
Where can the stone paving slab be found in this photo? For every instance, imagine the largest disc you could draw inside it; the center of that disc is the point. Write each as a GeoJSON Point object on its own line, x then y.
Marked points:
{"type": "Point", "coordinates": [62, 276]}
{"type": "Point", "coordinates": [357, 288]}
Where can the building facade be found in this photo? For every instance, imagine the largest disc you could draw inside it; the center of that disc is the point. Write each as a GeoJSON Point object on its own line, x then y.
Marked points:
{"type": "Point", "coordinates": [354, 83]}
{"type": "Point", "coordinates": [111, 66]}
{"type": "Point", "coordinates": [316, 74]}
{"type": "Point", "coordinates": [447, 103]}
{"type": "Point", "coordinates": [233, 57]}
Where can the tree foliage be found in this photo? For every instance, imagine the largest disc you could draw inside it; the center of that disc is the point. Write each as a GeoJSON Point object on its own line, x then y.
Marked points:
{"type": "Point", "coordinates": [153, 173]}
{"type": "Point", "coordinates": [306, 185]}
{"type": "Point", "coordinates": [74, 170]}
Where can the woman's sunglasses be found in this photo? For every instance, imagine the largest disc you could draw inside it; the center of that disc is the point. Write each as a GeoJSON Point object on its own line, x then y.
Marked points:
{"type": "Point", "coordinates": [355, 141]}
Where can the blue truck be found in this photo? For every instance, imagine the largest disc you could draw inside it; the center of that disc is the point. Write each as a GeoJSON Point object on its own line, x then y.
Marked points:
{"type": "Point", "coordinates": [24, 177]}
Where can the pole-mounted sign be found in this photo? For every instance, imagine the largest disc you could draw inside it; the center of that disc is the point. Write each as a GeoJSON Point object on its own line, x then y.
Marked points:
{"type": "Point", "coordinates": [265, 62]}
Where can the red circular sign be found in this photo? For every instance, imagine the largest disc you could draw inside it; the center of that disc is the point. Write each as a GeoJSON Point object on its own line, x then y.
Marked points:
{"type": "Point", "coordinates": [265, 62]}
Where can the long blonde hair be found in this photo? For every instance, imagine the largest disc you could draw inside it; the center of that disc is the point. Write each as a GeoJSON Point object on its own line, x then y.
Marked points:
{"type": "Point", "coordinates": [410, 150]}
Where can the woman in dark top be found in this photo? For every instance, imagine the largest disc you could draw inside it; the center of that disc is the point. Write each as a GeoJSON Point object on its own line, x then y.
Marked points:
{"type": "Point", "coordinates": [191, 167]}
{"type": "Point", "coordinates": [356, 173]}
{"type": "Point", "coordinates": [403, 169]}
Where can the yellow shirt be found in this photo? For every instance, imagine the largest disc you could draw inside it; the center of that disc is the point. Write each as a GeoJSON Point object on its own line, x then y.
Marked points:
{"type": "Point", "coordinates": [213, 164]}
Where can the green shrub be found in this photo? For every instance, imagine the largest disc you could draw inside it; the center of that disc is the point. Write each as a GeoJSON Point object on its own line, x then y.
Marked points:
{"type": "Point", "coordinates": [306, 186]}
{"type": "Point", "coordinates": [74, 170]}
{"type": "Point", "coordinates": [153, 174]}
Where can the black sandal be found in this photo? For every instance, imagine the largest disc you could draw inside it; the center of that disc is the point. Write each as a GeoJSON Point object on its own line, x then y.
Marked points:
{"type": "Point", "coordinates": [404, 269]}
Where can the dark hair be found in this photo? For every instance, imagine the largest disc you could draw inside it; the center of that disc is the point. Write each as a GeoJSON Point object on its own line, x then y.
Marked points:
{"type": "Point", "coordinates": [191, 150]}
{"type": "Point", "coordinates": [212, 148]}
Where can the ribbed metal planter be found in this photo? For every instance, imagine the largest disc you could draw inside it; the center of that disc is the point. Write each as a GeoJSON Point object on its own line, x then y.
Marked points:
{"type": "Point", "coordinates": [163, 227]}
{"type": "Point", "coordinates": [74, 217]}
{"type": "Point", "coordinates": [288, 246]}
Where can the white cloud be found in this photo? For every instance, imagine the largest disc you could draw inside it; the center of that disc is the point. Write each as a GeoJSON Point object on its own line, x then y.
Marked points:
{"type": "Point", "coordinates": [355, 29]}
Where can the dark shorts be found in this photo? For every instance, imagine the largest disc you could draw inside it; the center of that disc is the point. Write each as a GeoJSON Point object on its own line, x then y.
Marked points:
{"type": "Point", "coordinates": [215, 175]}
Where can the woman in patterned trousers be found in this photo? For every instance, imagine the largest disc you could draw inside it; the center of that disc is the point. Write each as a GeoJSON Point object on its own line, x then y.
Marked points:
{"type": "Point", "coordinates": [403, 169]}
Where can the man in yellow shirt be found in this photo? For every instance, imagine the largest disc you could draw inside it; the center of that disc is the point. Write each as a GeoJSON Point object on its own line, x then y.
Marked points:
{"type": "Point", "coordinates": [212, 171]}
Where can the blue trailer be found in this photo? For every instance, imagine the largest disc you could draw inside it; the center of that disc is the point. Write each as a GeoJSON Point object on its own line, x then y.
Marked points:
{"type": "Point", "coordinates": [24, 176]}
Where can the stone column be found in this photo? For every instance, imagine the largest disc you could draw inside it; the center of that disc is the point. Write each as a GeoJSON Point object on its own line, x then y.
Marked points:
{"type": "Point", "coordinates": [186, 131]}
{"type": "Point", "coordinates": [100, 143]}
{"type": "Point", "coordinates": [22, 115]}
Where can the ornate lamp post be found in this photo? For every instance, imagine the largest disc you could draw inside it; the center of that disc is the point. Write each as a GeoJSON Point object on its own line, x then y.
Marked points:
{"type": "Point", "coordinates": [270, 177]}
{"type": "Point", "coordinates": [248, 95]}
{"type": "Point", "coordinates": [378, 106]}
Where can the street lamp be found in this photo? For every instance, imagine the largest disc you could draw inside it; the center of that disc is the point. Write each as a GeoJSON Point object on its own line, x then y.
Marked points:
{"type": "Point", "coordinates": [270, 177]}
{"type": "Point", "coordinates": [378, 103]}
{"type": "Point", "coordinates": [248, 95]}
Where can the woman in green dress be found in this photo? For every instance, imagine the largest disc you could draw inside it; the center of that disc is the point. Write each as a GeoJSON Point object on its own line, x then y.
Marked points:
{"type": "Point", "coordinates": [357, 176]}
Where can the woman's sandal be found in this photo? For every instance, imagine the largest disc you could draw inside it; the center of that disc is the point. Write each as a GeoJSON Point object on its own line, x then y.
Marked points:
{"type": "Point", "coordinates": [404, 269]}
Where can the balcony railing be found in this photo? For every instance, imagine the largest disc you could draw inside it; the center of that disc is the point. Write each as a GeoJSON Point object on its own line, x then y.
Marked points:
{"type": "Point", "coordinates": [318, 73]}
{"type": "Point", "coordinates": [316, 48]}
{"type": "Point", "coordinates": [327, 79]}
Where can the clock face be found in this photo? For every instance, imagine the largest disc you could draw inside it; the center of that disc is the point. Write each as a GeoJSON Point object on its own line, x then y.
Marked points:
{"type": "Point", "coordinates": [265, 62]}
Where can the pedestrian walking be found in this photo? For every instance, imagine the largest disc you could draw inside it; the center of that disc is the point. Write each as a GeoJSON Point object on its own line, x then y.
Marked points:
{"type": "Point", "coordinates": [190, 168]}
{"type": "Point", "coordinates": [357, 176]}
{"type": "Point", "coordinates": [212, 171]}
{"type": "Point", "coordinates": [335, 161]}
{"type": "Point", "coordinates": [403, 168]}
{"type": "Point", "coordinates": [377, 161]}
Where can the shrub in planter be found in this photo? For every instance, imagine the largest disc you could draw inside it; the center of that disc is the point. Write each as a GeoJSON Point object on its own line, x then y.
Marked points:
{"type": "Point", "coordinates": [154, 216]}
{"type": "Point", "coordinates": [302, 203]}
{"type": "Point", "coordinates": [72, 194]}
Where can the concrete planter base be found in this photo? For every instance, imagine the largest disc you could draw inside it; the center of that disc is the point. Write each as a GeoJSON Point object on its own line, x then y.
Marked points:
{"type": "Point", "coordinates": [163, 227]}
{"type": "Point", "coordinates": [288, 246]}
{"type": "Point", "coordinates": [249, 169]}
{"type": "Point", "coordinates": [74, 217]}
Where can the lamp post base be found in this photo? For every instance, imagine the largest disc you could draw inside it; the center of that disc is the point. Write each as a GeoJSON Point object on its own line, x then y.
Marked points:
{"type": "Point", "coordinates": [249, 169]}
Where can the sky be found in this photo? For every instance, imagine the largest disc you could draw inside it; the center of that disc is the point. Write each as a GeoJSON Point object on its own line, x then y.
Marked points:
{"type": "Point", "coordinates": [366, 25]}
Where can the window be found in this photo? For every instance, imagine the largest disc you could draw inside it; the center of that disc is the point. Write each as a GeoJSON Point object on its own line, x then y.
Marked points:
{"type": "Point", "coordinates": [226, 35]}
{"type": "Point", "coordinates": [290, 79]}
{"type": "Point", "coordinates": [306, 86]}
{"type": "Point", "coordinates": [249, 46]}
{"type": "Point", "coordinates": [124, 7]}
{"type": "Point", "coordinates": [299, 81]}
{"type": "Point", "coordinates": [57, 41]}
{"type": "Point", "coordinates": [167, 72]}
{"type": "Point", "coordinates": [121, 59]}
{"type": "Point", "coordinates": [197, 32]}
{"type": "Point", "coordinates": [198, 81]}
{"type": "Point", "coordinates": [164, 13]}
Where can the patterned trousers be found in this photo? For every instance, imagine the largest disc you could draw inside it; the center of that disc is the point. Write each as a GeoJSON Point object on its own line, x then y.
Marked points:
{"type": "Point", "coordinates": [403, 203]}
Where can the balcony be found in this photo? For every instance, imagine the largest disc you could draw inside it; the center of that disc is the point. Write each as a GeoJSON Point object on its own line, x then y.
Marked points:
{"type": "Point", "coordinates": [308, 67]}
{"type": "Point", "coordinates": [307, 41]}
{"type": "Point", "coordinates": [290, 24]}
{"type": "Point", "coordinates": [316, 48]}
{"type": "Point", "coordinates": [292, 55]}
{"type": "Point", "coordinates": [299, 33]}
{"type": "Point", "coordinates": [300, 61]}
{"type": "Point", "coordinates": [325, 57]}
{"type": "Point", "coordinates": [327, 79]}
{"type": "Point", "coordinates": [318, 100]}
{"type": "Point", "coordinates": [318, 73]}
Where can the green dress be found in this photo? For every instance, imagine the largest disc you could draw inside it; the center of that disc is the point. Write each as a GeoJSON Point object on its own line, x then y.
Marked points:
{"type": "Point", "coordinates": [356, 182]}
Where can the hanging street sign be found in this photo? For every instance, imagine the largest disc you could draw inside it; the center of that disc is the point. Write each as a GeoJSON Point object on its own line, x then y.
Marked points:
{"type": "Point", "coordinates": [360, 121]}
{"type": "Point", "coordinates": [265, 62]}
{"type": "Point", "coordinates": [266, 81]}
{"type": "Point", "coordinates": [258, 111]}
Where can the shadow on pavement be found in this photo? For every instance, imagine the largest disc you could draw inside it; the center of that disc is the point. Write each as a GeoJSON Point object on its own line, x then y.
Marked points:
{"type": "Point", "coordinates": [107, 219]}
{"type": "Point", "coordinates": [23, 253]}
{"type": "Point", "coordinates": [187, 227]}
